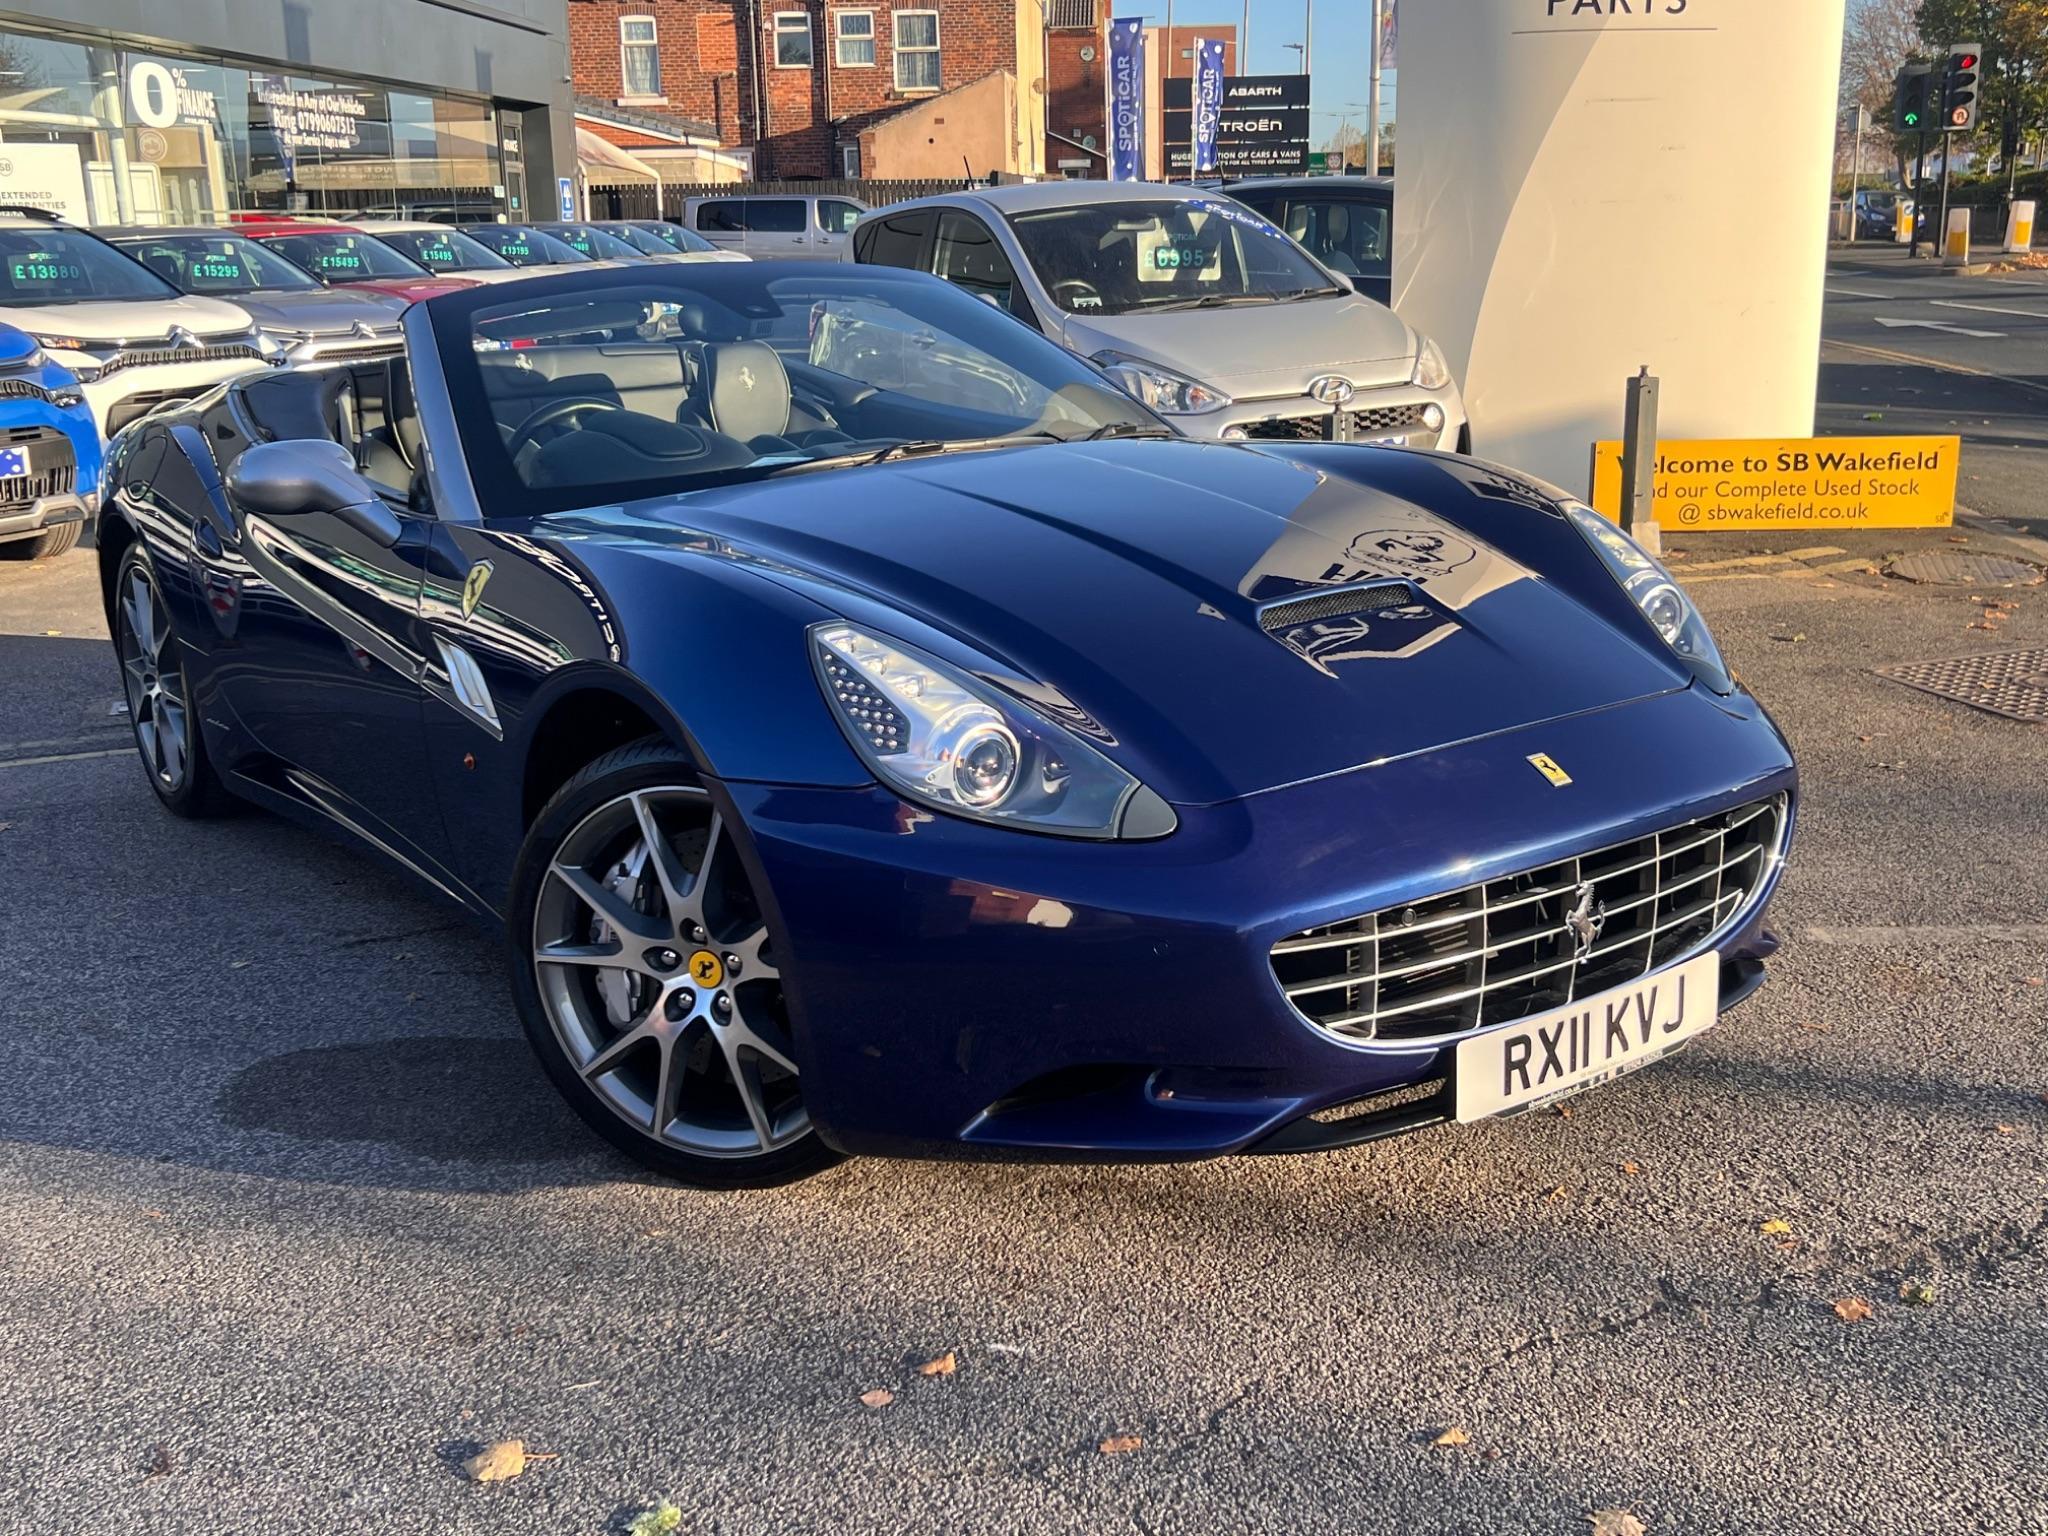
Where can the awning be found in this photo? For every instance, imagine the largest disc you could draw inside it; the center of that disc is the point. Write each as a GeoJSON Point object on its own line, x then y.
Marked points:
{"type": "Point", "coordinates": [604, 164]}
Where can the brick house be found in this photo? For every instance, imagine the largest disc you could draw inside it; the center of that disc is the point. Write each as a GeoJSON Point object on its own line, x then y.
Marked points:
{"type": "Point", "coordinates": [893, 89]}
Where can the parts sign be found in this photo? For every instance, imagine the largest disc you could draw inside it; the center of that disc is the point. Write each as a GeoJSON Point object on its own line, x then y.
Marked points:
{"type": "Point", "coordinates": [1826, 482]}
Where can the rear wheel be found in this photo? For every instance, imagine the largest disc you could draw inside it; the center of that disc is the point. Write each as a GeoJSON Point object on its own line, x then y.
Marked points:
{"type": "Point", "coordinates": [648, 981]}
{"type": "Point", "coordinates": [159, 694]}
{"type": "Point", "coordinates": [41, 546]}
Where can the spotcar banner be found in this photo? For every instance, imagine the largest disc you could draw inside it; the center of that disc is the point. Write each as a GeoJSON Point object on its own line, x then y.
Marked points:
{"type": "Point", "coordinates": [1208, 103]}
{"type": "Point", "coordinates": [1127, 99]}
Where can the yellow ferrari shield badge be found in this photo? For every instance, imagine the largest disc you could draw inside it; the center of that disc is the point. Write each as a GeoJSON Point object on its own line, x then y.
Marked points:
{"type": "Point", "coordinates": [706, 969]}
{"type": "Point", "coordinates": [473, 587]}
{"type": "Point", "coordinates": [1546, 765]}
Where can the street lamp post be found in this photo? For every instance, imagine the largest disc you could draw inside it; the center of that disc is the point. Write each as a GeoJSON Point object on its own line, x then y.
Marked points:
{"type": "Point", "coordinates": [1372, 113]}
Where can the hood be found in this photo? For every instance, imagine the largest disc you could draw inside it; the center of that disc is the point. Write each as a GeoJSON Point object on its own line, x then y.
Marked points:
{"type": "Point", "coordinates": [1260, 351]}
{"type": "Point", "coordinates": [319, 311]}
{"type": "Point", "coordinates": [1138, 580]}
{"type": "Point", "coordinates": [410, 289]}
{"type": "Point", "coordinates": [123, 320]}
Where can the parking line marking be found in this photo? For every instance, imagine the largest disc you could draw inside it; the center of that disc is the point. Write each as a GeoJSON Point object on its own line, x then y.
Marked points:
{"type": "Point", "coordinates": [1928, 362]}
{"type": "Point", "coordinates": [1992, 309]}
{"type": "Point", "coordinates": [1856, 293]}
{"type": "Point", "coordinates": [62, 757]}
{"type": "Point", "coordinates": [1877, 936]}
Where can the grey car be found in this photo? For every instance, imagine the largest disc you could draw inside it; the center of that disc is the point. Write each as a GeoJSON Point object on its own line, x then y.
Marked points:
{"type": "Point", "coordinates": [776, 226]}
{"type": "Point", "coordinates": [288, 304]}
{"type": "Point", "coordinates": [1195, 304]}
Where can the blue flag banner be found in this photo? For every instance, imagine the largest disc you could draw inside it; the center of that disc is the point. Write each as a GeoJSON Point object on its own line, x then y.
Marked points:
{"type": "Point", "coordinates": [1127, 99]}
{"type": "Point", "coordinates": [1208, 103]}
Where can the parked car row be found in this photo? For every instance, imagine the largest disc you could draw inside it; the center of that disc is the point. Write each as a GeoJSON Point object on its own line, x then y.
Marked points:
{"type": "Point", "coordinates": [100, 327]}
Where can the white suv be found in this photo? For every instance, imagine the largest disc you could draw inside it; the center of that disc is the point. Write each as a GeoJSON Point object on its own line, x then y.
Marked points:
{"type": "Point", "coordinates": [132, 339]}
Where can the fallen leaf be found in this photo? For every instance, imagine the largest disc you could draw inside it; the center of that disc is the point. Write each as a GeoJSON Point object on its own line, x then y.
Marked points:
{"type": "Point", "coordinates": [945, 1365]}
{"type": "Point", "coordinates": [1564, 1111]}
{"type": "Point", "coordinates": [660, 1520]}
{"type": "Point", "coordinates": [1854, 1309]}
{"type": "Point", "coordinates": [1816, 1028]}
{"type": "Point", "coordinates": [1631, 1169]}
{"type": "Point", "coordinates": [1007, 1349]}
{"type": "Point", "coordinates": [2036, 981]}
{"type": "Point", "coordinates": [159, 1463]}
{"type": "Point", "coordinates": [1557, 1193]}
{"type": "Point", "coordinates": [1777, 1226]}
{"type": "Point", "coordinates": [881, 1397]}
{"type": "Point", "coordinates": [1616, 1522]}
{"type": "Point", "coordinates": [1452, 1436]}
{"type": "Point", "coordinates": [1919, 1293]}
{"type": "Point", "coordinates": [497, 1462]}
{"type": "Point", "coordinates": [154, 1215]}
{"type": "Point", "coordinates": [2007, 1130]}
{"type": "Point", "coordinates": [1121, 1445]}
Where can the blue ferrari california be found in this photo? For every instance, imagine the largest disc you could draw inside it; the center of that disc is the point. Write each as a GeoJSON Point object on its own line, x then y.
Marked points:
{"type": "Point", "coordinates": [871, 731]}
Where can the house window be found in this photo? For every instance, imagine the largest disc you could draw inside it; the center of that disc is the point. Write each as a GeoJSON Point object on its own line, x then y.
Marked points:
{"type": "Point", "coordinates": [917, 50]}
{"type": "Point", "coordinates": [849, 161]}
{"type": "Point", "coordinates": [792, 39]}
{"type": "Point", "coordinates": [853, 39]}
{"type": "Point", "coordinates": [639, 57]}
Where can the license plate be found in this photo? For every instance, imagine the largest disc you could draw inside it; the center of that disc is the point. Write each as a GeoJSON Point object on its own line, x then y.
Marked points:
{"type": "Point", "coordinates": [1587, 1042]}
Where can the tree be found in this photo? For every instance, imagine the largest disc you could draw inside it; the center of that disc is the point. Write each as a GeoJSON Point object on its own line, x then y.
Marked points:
{"type": "Point", "coordinates": [1345, 145]}
{"type": "Point", "coordinates": [1880, 36]}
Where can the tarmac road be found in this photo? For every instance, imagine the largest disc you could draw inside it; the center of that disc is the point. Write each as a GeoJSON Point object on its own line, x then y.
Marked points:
{"type": "Point", "coordinates": [290, 1221]}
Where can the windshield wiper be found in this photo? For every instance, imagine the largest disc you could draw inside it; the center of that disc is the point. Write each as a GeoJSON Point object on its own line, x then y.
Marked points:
{"type": "Point", "coordinates": [1123, 429]}
{"type": "Point", "coordinates": [917, 448]}
{"type": "Point", "coordinates": [1295, 294]}
{"type": "Point", "coordinates": [1211, 301]}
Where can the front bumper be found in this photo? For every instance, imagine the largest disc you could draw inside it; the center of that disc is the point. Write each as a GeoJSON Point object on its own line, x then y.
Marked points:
{"type": "Point", "coordinates": [963, 990]}
{"type": "Point", "coordinates": [128, 393]}
{"type": "Point", "coordinates": [1375, 416]}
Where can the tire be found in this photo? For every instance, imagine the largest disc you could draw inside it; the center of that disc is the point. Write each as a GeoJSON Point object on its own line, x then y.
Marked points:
{"type": "Point", "coordinates": [41, 546]}
{"type": "Point", "coordinates": [648, 982]}
{"type": "Point", "coordinates": [159, 691]}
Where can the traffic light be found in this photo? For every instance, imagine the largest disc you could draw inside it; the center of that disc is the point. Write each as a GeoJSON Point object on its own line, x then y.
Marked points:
{"type": "Point", "coordinates": [1912, 105]}
{"type": "Point", "coordinates": [1959, 88]}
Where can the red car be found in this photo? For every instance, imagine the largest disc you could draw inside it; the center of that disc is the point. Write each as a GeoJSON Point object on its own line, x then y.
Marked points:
{"type": "Point", "coordinates": [340, 254]}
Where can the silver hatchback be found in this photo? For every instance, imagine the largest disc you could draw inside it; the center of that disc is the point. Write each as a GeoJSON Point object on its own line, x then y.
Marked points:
{"type": "Point", "coordinates": [1192, 302]}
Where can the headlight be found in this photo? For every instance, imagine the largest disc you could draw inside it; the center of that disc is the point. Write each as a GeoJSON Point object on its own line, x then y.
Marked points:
{"type": "Point", "coordinates": [35, 359]}
{"type": "Point", "coordinates": [1431, 371]}
{"type": "Point", "coordinates": [1656, 594]}
{"type": "Point", "coordinates": [935, 736]}
{"type": "Point", "coordinates": [1167, 392]}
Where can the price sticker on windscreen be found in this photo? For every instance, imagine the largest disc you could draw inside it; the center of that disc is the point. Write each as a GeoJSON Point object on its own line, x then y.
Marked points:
{"type": "Point", "coordinates": [1819, 482]}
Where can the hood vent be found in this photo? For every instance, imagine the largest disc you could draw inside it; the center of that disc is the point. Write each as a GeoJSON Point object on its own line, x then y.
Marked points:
{"type": "Point", "coordinates": [1331, 605]}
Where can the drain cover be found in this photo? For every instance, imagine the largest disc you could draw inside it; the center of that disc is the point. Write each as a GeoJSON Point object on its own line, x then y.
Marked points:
{"type": "Point", "coordinates": [1954, 568]}
{"type": "Point", "coordinates": [2014, 684]}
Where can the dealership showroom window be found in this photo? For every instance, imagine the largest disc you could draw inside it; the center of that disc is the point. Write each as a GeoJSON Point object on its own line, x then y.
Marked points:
{"type": "Point", "coordinates": [105, 134]}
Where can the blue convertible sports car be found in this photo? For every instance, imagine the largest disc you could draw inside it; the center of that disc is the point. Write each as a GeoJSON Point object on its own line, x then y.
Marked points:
{"type": "Point", "coordinates": [871, 731]}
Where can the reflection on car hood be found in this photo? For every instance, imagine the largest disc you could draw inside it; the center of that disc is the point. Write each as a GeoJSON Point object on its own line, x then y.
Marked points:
{"type": "Point", "coordinates": [1257, 351]}
{"type": "Point", "coordinates": [319, 311]}
{"type": "Point", "coordinates": [112, 320]}
{"type": "Point", "coordinates": [1131, 578]}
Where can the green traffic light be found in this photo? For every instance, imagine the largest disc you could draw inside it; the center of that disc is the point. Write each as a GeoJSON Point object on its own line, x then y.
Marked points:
{"type": "Point", "coordinates": [1912, 119]}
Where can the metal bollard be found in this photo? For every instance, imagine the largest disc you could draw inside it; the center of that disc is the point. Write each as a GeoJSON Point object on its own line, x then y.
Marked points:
{"type": "Point", "coordinates": [1639, 463]}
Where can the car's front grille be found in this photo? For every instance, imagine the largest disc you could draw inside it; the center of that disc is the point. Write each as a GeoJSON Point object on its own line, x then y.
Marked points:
{"type": "Point", "coordinates": [1525, 943]}
{"type": "Point", "coordinates": [152, 357]}
{"type": "Point", "coordinates": [55, 475]}
{"type": "Point", "coordinates": [1380, 421]}
{"type": "Point", "coordinates": [22, 389]}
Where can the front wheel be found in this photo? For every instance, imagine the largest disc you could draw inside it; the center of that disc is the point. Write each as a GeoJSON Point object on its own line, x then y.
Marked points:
{"type": "Point", "coordinates": [159, 694]}
{"type": "Point", "coordinates": [647, 979]}
{"type": "Point", "coordinates": [44, 545]}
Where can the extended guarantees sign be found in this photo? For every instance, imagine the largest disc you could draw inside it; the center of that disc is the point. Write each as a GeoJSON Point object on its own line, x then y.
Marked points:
{"type": "Point", "coordinates": [1824, 482]}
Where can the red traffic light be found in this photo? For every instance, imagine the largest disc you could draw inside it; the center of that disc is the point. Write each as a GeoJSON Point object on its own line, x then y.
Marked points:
{"type": "Point", "coordinates": [1964, 61]}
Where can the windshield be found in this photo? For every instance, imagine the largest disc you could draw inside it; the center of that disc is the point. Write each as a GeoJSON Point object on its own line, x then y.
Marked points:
{"type": "Point", "coordinates": [443, 250]}
{"type": "Point", "coordinates": [660, 238]}
{"type": "Point", "coordinates": [523, 245]}
{"type": "Point", "coordinates": [1152, 254]}
{"type": "Point", "coordinates": [674, 382]}
{"type": "Point", "coordinates": [593, 242]}
{"type": "Point", "coordinates": [341, 256]}
{"type": "Point", "coordinates": [48, 264]}
{"type": "Point", "coordinates": [216, 263]}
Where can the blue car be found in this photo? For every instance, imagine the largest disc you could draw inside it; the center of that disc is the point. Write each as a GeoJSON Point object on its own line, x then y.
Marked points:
{"type": "Point", "coordinates": [870, 731]}
{"type": "Point", "coordinates": [49, 452]}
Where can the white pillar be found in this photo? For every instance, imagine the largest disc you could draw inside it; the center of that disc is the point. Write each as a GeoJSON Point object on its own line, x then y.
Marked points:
{"type": "Point", "coordinates": [2019, 228]}
{"type": "Point", "coordinates": [1583, 191]}
{"type": "Point", "coordinates": [1955, 248]}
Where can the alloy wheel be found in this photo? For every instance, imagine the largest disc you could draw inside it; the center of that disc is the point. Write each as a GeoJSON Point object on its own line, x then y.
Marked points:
{"type": "Point", "coordinates": [659, 978]}
{"type": "Point", "coordinates": [154, 679]}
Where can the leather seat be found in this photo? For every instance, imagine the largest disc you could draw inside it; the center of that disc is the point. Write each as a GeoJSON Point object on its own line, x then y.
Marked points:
{"type": "Point", "coordinates": [390, 454]}
{"type": "Point", "coordinates": [746, 393]}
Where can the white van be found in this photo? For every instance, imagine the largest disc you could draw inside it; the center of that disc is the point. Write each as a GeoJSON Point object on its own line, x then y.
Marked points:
{"type": "Point", "coordinates": [777, 226]}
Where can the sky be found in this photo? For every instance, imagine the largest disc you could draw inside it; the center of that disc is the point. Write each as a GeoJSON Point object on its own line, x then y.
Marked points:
{"type": "Point", "coordinates": [1341, 55]}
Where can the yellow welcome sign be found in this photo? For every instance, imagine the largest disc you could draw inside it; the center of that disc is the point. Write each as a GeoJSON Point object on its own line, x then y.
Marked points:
{"type": "Point", "coordinates": [1815, 482]}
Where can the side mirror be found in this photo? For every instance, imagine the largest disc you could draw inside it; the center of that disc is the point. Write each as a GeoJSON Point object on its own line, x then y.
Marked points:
{"type": "Point", "coordinates": [302, 475]}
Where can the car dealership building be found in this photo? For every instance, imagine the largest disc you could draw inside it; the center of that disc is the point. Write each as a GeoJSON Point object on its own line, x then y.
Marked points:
{"type": "Point", "coordinates": [146, 111]}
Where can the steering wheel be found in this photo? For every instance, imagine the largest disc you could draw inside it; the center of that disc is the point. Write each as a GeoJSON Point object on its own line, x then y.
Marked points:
{"type": "Point", "coordinates": [1080, 287]}
{"type": "Point", "coordinates": [554, 414]}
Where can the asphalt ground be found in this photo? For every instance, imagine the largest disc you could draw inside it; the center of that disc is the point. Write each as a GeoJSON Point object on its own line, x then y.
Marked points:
{"type": "Point", "coordinates": [290, 1222]}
